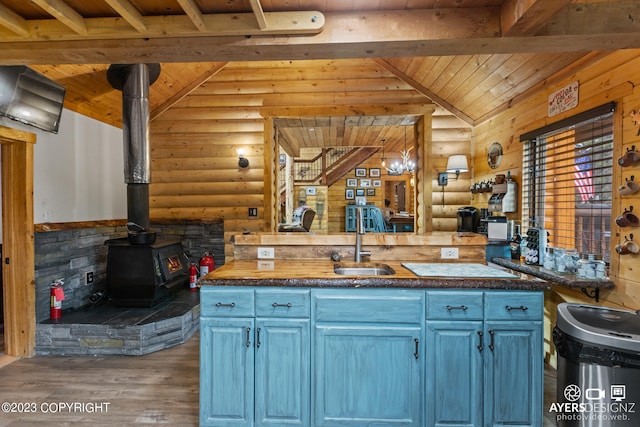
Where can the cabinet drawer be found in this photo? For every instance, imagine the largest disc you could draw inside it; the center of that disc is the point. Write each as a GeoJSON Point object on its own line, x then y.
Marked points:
{"type": "Point", "coordinates": [226, 302]}
{"type": "Point", "coordinates": [513, 305]}
{"type": "Point", "coordinates": [455, 305]}
{"type": "Point", "coordinates": [283, 303]}
{"type": "Point", "coordinates": [368, 305]}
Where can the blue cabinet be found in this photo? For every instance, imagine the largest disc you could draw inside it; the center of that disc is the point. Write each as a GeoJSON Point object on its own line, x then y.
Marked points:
{"type": "Point", "coordinates": [513, 361]}
{"type": "Point", "coordinates": [254, 371]}
{"type": "Point", "coordinates": [226, 372]}
{"type": "Point", "coordinates": [454, 358]}
{"type": "Point", "coordinates": [491, 374]}
{"type": "Point", "coordinates": [282, 372]}
{"type": "Point", "coordinates": [368, 357]}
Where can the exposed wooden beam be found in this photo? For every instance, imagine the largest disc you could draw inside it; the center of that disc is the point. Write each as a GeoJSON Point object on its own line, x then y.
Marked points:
{"type": "Point", "coordinates": [170, 26]}
{"type": "Point", "coordinates": [527, 17]}
{"type": "Point", "coordinates": [257, 10]}
{"type": "Point", "coordinates": [14, 22]}
{"type": "Point", "coordinates": [129, 13]}
{"type": "Point", "coordinates": [186, 90]}
{"type": "Point", "coordinates": [194, 13]}
{"type": "Point", "coordinates": [345, 35]}
{"type": "Point", "coordinates": [423, 90]}
{"type": "Point", "coordinates": [596, 18]}
{"type": "Point", "coordinates": [64, 13]}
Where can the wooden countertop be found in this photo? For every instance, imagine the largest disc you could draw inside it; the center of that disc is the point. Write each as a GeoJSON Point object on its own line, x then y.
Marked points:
{"type": "Point", "coordinates": [319, 273]}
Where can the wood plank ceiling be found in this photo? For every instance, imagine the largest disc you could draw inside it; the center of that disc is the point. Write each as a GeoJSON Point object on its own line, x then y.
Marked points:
{"type": "Point", "coordinates": [474, 58]}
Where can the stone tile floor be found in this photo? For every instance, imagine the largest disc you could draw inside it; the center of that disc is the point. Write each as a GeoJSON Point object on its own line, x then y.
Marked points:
{"type": "Point", "coordinates": [108, 329]}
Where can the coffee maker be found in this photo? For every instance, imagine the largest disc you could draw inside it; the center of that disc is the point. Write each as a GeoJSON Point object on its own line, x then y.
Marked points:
{"type": "Point", "coordinates": [468, 219]}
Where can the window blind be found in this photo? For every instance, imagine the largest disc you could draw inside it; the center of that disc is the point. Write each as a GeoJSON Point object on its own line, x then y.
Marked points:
{"type": "Point", "coordinates": [567, 183]}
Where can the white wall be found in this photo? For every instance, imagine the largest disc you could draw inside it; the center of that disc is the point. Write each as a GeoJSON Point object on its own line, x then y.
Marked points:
{"type": "Point", "coordinates": [79, 172]}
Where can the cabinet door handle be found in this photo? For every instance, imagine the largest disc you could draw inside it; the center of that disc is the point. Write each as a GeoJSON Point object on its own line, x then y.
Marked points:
{"type": "Point", "coordinates": [248, 342]}
{"type": "Point", "coordinates": [221, 304]}
{"type": "Point", "coordinates": [275, 304]}
{"type": "Point", "coordinates": [258, 338]}
{"type": "Point", "coordinates": [492, 343]}
{"type": "Point", "coordinates": [480, 344]}
{"type": "Point", "coordinates": [522, 307]}
{"type": "Point", "coordinates": [416, 354]}
{"type": "Point", "coordinates": [461, 307]}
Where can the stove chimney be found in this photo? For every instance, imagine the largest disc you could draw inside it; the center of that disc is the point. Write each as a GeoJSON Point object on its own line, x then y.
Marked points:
{"type": "Point", "coordinates": [134, 81]}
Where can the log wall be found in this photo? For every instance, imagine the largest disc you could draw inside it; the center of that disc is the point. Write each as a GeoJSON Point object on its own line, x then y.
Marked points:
{"type": "Point", "coordinates": [614, 78]}
{"type": "Point", "coordinates": [194, 144]}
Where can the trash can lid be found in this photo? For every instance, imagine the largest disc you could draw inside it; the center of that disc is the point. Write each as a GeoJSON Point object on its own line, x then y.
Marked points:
{"type": "Point", "coordinates": [612, 328]}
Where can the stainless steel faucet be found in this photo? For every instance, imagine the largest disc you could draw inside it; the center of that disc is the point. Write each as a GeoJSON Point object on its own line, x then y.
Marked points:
{"type": "Point", "coordinates": [359, 233]}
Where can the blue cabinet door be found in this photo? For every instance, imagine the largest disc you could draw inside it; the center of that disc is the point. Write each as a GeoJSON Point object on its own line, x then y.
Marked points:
{"type": "Point", "coordinates": [513, 373]}
{"type": "Point", "coordinates": [367, 375]}
{"type": "Point", "coordinates": [454, 373]}
{"type": "Point", "coordinates": [226, 372]}
{"type": "Point", "coordinates": [282, 372]}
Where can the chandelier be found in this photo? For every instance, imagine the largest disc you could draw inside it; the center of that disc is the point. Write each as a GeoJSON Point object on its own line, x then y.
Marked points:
{"type": "Point", "coordinates": [400, 167]}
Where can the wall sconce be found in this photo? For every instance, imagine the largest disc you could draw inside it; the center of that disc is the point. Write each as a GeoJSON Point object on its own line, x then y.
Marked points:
{"type": "Point", "coordinates": [455, 164]}
{"type": "Point", "coordinates": [243, 162]}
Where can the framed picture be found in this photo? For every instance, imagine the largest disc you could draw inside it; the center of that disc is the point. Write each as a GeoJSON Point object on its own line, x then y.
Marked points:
{"type": "Point", "coordinates": [371, 191]}
{"type": "Point", "coordinates": [311, 191]}
{"type": "Point", "coordinates": [282, 159]}
{"type": "Point", "coordinates": [349, 194]}
{"type": "Point", "coordinates": [374, 172]}
{"type": "Point", "coordinates": [365, 183]}
{"type": "Point", "coordinates": [361, 201]}
{"type": "Point", "coordinates": [360, 192]}
{"type": "Point", "coordinates": [377, 183]}
{"type": "Point", "coordinates": [361, 171]}
{"type": "Point", "coordinates": [352, 182]}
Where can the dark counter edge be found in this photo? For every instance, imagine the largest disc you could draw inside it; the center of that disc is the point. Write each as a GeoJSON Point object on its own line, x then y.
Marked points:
{"type": "Point", "coordinates": [380, 282]}
{"type": "Point", "coordinates": [569, 280]}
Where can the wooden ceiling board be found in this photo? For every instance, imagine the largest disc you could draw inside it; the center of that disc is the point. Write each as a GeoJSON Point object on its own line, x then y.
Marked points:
{"type": "Point", "coordinates": [474, 84]}
{"type": "Point", "coordinates": [461, 75]}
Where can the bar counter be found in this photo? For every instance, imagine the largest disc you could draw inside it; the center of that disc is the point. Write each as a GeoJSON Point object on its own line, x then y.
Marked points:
{"type": "Point", "coordinates": [320, 274]}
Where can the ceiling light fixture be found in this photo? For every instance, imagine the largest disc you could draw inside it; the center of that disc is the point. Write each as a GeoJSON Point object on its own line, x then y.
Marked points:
{"type": "Point", "coordinates": [406, 165]}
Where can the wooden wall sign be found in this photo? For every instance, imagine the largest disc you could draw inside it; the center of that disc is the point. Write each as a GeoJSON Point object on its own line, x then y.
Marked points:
{"type": "Point", "coordinates": [563, 99]}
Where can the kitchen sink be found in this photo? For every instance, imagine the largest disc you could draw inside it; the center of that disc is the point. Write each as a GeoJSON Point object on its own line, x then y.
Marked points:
{"type": "Point", "coordinates": [363, 269]}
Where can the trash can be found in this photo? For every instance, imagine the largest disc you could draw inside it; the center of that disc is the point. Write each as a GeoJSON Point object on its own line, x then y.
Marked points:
{"type": "Point", "coordinates": [598, 367]}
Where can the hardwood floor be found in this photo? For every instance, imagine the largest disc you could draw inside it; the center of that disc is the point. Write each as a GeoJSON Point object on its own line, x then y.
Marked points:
{"type": "Point", "coordinates": [158, 388]}
{"type": "Point", "coordinates": [550, 380]}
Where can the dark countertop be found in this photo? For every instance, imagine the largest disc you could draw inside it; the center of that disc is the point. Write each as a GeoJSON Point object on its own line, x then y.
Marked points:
{"type": "Point", "coordinates": [569, 280]}
{"type": "Point", "coordinates": [320, 274]}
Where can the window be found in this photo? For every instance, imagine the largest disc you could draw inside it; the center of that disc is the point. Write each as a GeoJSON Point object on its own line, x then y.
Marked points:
{"type": "Point", "coordinates": [567, 170]}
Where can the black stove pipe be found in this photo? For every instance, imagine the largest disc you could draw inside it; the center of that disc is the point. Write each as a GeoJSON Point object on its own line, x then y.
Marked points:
{"type": "Point", "coordinates": [134, 81]}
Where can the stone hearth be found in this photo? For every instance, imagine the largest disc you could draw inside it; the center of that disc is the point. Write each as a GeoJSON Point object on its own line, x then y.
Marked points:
{"type": "Point", "coordinates": [108, 329]}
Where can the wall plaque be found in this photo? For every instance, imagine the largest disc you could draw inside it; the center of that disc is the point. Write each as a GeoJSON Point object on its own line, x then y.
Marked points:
{"type": "Point", "coordinates": [563, 99]}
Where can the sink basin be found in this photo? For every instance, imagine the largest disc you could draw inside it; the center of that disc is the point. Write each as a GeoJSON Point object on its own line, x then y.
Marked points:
{"type": "Point", "coordinates": [363, 269]}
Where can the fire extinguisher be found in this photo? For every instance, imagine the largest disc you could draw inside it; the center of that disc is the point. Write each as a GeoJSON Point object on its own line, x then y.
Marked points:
{"type": "Point", "coordinates": [206, 264]}
{"type": "Point", "coordinates": [57, 296]}
{"type": "Point", "coordinates": [193, 277]}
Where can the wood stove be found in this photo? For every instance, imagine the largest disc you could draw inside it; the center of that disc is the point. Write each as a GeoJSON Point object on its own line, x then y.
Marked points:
{"type": "Point", "coordinates": [142, 275]}
{"type": "Point", "coordinates": [139, 275]}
